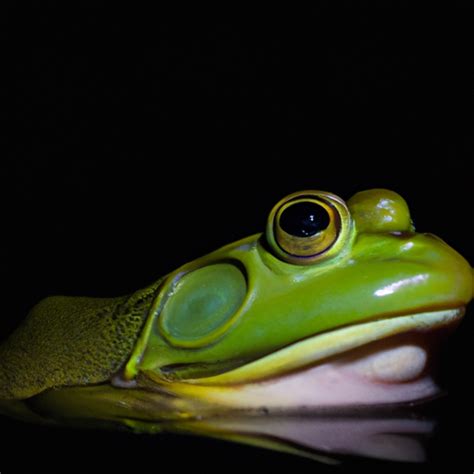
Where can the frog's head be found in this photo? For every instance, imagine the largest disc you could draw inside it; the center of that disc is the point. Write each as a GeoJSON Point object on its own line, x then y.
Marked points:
{"type": "Point", "coordinates": [335, 304]}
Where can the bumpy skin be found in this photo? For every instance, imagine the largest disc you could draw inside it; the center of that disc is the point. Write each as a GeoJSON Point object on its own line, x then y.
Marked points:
{"type": "Point", "coordinates": [71, 341]}
{"type": "Point", "coordinates": [242, 314]}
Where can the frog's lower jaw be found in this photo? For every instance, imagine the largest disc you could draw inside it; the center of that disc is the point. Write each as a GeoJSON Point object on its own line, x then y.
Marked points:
{"type": "Point", "coordinates": [392, 371]}
{"type": "Point", "coordinates": [379, 362]}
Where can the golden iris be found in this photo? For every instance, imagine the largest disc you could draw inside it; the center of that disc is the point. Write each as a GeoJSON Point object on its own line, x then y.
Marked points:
{"type": "Point", "coordinates": [304, 226]}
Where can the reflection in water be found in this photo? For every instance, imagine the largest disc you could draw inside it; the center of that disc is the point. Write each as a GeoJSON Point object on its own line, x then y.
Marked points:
{"type": "Point", "coordinates": [389, 432]}
{"type": "Point", "coordinates": [395, 435]}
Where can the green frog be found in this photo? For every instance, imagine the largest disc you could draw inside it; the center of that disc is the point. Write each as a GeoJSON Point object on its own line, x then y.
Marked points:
{"type": "Point", "coordinates": [333, 305]}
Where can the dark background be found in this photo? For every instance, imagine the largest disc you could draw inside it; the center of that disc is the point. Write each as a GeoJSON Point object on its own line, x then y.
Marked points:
{"type": "Point", "coordinates": [132, 143]}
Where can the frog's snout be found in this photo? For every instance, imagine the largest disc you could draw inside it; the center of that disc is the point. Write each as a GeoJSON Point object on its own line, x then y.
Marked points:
{"type": "Point", "coordinates": [421, 265]}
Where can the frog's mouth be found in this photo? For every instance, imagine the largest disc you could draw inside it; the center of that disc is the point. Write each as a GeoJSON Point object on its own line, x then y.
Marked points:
{"type": "Point", "coordinates": [381, 361]}
{"type": "Point", "coordinates": [378, 362]}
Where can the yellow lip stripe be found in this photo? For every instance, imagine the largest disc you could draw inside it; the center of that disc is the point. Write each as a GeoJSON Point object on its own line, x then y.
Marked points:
{"type": "Point", "coordinates": [325, 345]}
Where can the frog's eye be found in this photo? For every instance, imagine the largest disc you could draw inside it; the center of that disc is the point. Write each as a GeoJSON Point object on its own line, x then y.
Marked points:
{"type": "Point", "coordinates": [308, 226]}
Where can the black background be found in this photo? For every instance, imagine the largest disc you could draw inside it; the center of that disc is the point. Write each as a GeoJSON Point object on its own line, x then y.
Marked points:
{"type": "Point", "coordinates": [133, 143]}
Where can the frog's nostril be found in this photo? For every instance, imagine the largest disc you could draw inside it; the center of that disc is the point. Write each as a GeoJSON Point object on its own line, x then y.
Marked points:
{"type": "Point", "coordinates": [402, 234]}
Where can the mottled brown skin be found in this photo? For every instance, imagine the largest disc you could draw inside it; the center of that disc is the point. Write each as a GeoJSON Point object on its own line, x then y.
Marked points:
{"type": "Point", "coordinates": [69, 341]}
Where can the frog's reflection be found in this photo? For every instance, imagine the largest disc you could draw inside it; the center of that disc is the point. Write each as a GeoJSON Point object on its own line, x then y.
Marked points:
{"type": "Point", "coordinates": [399, 435]}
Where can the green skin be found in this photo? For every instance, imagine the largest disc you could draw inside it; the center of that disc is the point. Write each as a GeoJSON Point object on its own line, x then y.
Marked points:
{"type": "Point", "coordinates": [159, 354]}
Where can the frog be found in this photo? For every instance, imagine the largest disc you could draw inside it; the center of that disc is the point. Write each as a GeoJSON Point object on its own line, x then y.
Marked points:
{"type": "Point", "coordinates": [335, 304]}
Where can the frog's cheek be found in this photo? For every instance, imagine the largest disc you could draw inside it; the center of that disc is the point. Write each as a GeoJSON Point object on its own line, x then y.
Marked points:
{"type": "Point", "coordinates": [202, 305]}
{"type": "Point", "coordinates": [380, 210]}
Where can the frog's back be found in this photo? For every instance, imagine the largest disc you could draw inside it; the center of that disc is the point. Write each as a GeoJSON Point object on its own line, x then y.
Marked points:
{"type": "Point", "coordinates": [71, 341]}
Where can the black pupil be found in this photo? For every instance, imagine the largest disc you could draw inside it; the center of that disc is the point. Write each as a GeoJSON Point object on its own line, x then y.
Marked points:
{"type": "Point", "coordinates": [304, 219]}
